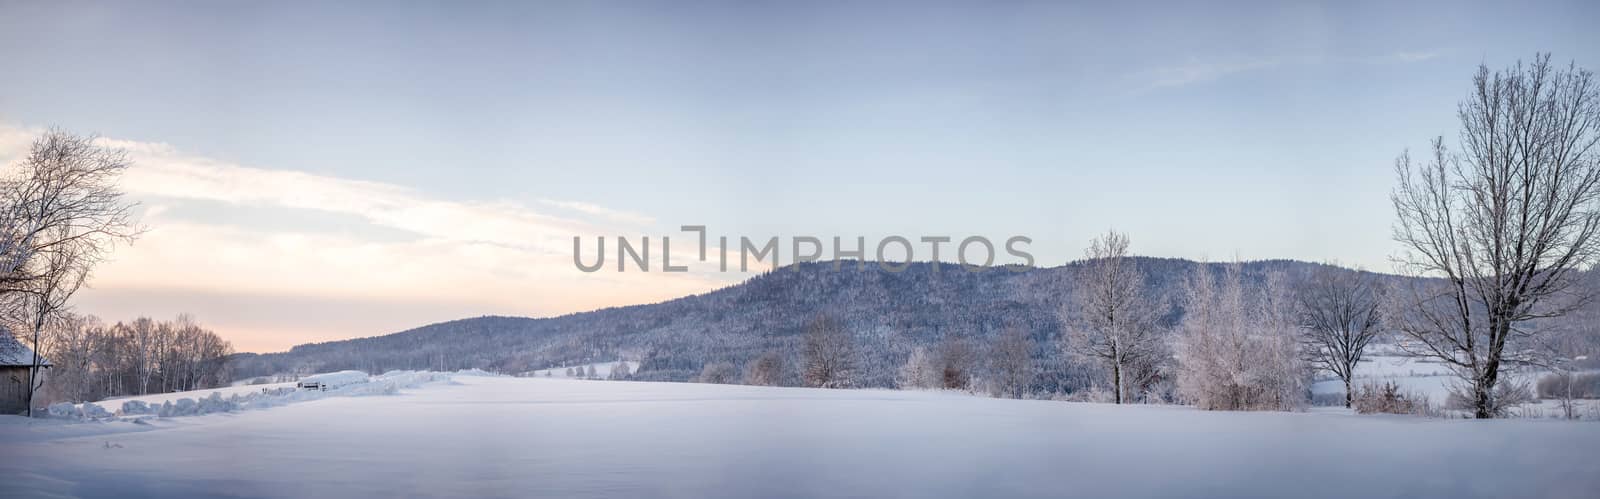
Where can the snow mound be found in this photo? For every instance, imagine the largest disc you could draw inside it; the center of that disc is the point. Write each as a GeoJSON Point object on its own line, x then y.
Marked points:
{"type": "Point", "coordinates": [339, 384]}
{"type": "Point", "coordinates": [333, 380]}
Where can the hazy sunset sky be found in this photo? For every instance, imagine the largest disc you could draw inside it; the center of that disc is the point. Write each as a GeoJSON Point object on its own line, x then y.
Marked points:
{"type": "Point", "coordinates": [312, 171]}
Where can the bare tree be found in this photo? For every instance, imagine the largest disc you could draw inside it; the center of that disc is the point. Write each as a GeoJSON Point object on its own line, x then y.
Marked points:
{"type": "Point", "coordinates": [955, 363]}
{"type": "Point", "coordinates": [1340, 314]}
{"type": "Point", "coordinates": [60, 213]}
{"type": "Point", "coordinates": [1502, 225]}
{"type": "Point", "coordinates": [830, 354]}
{"type": "Point", "coordinates": [720, 373]}
{"type": "Point", "coordinates": [767, 370]}
{"type": "Point", "coordinates": [1116, 325]}
{"type": "Point", "coordinates": [618, 372]}
{"type": "Point", "coordinates": [144, 351]}
{"type": "Point", "coordinates": [1011, 363]}
{"type": "Point", "coordinates": [918, 371]}
{"type": "Point", "coordinates": [1236, 350]}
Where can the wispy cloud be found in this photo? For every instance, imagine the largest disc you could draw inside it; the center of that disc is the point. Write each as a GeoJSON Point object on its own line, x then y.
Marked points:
{"type": "Point", "coordinates": [1197, 70]}
{"type": "Point", "coordinates": [493, 256]}
{"type": "Point", "coordinates": [599, 211]}
{"type": "Point", "coordinates": [1403, 57]}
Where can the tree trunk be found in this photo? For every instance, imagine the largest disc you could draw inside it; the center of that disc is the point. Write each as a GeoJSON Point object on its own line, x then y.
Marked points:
{"type": "Point", "coordinates": [1483, 394]}
{"type": "Point", "coordinates": [1348, 395]}
{"type": "Point", "coordinates": [1116, 380]}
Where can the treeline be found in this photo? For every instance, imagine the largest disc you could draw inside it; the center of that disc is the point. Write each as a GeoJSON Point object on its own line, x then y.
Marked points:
{"type": "Point", "coordinates": [94, 360]}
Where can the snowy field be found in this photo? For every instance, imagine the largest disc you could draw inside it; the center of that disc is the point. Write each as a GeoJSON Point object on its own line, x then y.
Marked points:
{"type": "Point", "coordinates": [1433, 380]}
{"type": "Point", "coordinates": [478, 436]}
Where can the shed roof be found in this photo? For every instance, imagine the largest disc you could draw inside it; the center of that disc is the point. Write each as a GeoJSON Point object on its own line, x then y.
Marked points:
{"type": "Point", "coordinates": [13, 353]}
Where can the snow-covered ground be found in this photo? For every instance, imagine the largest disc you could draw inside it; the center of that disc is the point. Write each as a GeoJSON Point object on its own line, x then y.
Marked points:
{"type": "Point", "coordinates": [1434, 381]}
{"type": "Point", "coordinates": [536, 437]}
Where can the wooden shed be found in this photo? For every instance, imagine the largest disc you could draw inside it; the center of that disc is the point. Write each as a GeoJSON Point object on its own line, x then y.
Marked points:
{"type": "Point", "coordinates": [15, 360]}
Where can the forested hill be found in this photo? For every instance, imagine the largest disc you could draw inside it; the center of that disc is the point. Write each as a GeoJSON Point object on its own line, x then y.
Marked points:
{"type": "Point", "coordinates": [889, 314]}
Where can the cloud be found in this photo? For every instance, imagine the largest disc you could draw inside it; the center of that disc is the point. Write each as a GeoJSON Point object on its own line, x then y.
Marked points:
{"type": "Point", "coordinates": [599, 211]}
{"type": "Point", "coordinates": [1403, 57]}
{"type": "Point", "coordinates": [495, 256]}
{"type": "Point", "coordinates": [1196, 71]}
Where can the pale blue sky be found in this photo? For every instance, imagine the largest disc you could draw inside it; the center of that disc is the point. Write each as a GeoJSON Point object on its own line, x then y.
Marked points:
{"type": "Point", "coordinates": [1258, 130]}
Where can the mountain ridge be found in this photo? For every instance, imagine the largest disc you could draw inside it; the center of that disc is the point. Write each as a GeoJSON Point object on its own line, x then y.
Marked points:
{"type": "Point", "coordinates": [890, 313]}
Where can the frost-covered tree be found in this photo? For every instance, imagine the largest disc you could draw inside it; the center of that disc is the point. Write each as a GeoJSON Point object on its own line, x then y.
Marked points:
{"type": "Point", "coordinates": [1011, 363]}
{"type": "Point", "coordinates": [1502, 225]}
{"type": "Point", "coordinates": [619, 371]}
{"type": "Point", "coordinates": [829, 351]}
{"type": "Point", "coordinates": [767, 370]}
{"type": "Point", "coordinates": [1116, 321]}
{"type": "Point", "coordinates": [1237, 350]}
{"type": "Point", "coordinates": [918, 372]}
{"type": "Point", "coordinates": [1340, 314]}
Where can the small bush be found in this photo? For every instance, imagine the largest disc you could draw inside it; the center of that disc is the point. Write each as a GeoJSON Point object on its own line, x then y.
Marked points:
{"type": "Point", "coordinates": [1509, 394]}
{"type": "Point", "coordinates": [1387, 398]}
{"type": "Point", "coordinates": [718, 373]}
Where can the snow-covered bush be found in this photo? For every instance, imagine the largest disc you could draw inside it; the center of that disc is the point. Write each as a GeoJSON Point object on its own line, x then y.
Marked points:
{"type": "Point", "coordinates": [181, 407]}
{"type": "Point", "coordinates": [135, 408]}
{"type": "Point", "coordinates": [63, 410]}
{"type": "Point", "coordinates": [94, 411]}
{"type": "Point", "coordinates": [215, 403]}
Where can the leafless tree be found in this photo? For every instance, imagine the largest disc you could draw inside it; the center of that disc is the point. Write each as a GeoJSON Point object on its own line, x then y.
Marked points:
{"type": "Point", "coordinates": [60, 214]}
{"type": "Point", "coordinates": [144, 349]}
{"type": "Point", "coordinates": [618, 372]}
{"type": "Point", "coordinates": [1236, 349]}
{"type": "Point", "coordinates": [1503, 224]}
{"type": "Point", "coordinates": [93, 361]}
{"type": "Point", "coordinates": [830, 354]}
{"type": "Point", "coordinates": [767, 370]}
{"type": "Point", "coordinates": [918, 372]}
{"type": "Point", "coordinates": [1340, 314]}
{"type": "Point", "coordinates": [1011, 363]}
{"type": "Point", "coordinates": [956, 361]}
{"type": "Point", "coordinates": [1116, 322]}
{"type": "Point", "coordinates": [720, 373]}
